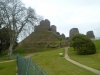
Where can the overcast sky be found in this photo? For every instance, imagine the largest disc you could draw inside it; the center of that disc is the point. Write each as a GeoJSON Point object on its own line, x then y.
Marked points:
{"type": "Point", "coordinates": [67, 14]}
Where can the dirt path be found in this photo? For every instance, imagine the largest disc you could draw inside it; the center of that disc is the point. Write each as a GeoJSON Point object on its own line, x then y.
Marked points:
{"type": "Point", "coordinates": [30, 55]}
{"type": "Point", "coordinates": [81, 65]}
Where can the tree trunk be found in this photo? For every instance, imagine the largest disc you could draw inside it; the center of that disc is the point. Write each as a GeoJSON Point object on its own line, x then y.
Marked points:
{"type": "Point", "coordinates": [10, 50]}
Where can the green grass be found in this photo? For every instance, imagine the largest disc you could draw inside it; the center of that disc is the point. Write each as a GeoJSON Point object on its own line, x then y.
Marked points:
{"type": "Point", "coordinates": [6, 58]}
{"type": "Point", "coordinates": [97, 44]}
{"type": "Point", "coordinates": [20, 50]}
{"type": "Point", "coordinates": [89, 60]}
{"type": "Point", "coordinates": [51, 62]}
{"type": "Point", "coordinates": [8, 68]}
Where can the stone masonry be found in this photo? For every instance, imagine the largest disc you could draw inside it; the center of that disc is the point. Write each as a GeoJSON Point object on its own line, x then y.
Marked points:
{"type": "Point", "coordinates": [73, 31]}
{"type": "Point", "coordinates": [44, 25]}
{"type": "Point", "coordinates": [90, 34]}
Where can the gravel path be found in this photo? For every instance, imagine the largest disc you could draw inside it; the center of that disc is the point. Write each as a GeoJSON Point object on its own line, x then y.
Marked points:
{"type": "Point", "coordinates": [81, 65]}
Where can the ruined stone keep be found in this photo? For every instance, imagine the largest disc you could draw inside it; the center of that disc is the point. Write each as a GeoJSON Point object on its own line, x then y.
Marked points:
{"type": "Point", "coordinates": [73, 31]}
{"type": "Point", "coordinates": [44, 25]}
{"type": "Point", "coordinates": [90, 34]}
{"type": "Point", "coordinates": [63, 36]}
{"type": "Point", "coordinates": [53, 28]}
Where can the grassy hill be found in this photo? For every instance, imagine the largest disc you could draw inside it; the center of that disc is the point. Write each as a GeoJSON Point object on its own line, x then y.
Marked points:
{"type": "Point", "coordinates": [42, 36]}
{"type": "Point", "coordinates": [37, 40]}
{"type": "Point", "coordinates": [51, 62]}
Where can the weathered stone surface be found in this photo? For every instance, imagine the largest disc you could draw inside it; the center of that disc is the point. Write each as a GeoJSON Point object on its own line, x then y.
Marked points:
{"type": "Point", "coordinates": [47, 22]}
{"type": "Point", "coordinates": [60, 45]}
{"type": "Point", "coordinates": [73, 31]}
{"type": "Point", "coordinates": [53, 46]}
{"type": "Point", "coordinates": [63, 36]}
{"type": "Point", "coordinates": [63, 44]}
{"type": "Point", "coordinates": [53, 28]}
{"type": "Point", "coordinates": [42, 22]}
{"type": "Point", "coordinates": [90, 34]}
{"type": "Point", "coordinates": [57, 33]}
{"type": "Point", "coordinates": [67, 38]}
{"type": "Point", "coordinates": [44, 25]}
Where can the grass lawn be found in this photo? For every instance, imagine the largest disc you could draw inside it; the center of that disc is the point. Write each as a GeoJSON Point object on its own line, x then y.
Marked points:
{"type": "Point", "coordinates": [97, 44]}
{"type": "Point", "coordinates": [51, 62]}
{"type": "Point", "coordinates": [8, 68]}
{"type": "Point", "coordinates": [7, 58]}
{"type": "Point", "coordinates": [89, 60]}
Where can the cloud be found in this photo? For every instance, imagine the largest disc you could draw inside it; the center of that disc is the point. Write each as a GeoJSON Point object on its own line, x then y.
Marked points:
{"type": "Point", "coordinates": [66, 14]}
{"type": "Point", "coordinates": [83, 3]}
{"type": "Point", "coordinates": [80, 16]}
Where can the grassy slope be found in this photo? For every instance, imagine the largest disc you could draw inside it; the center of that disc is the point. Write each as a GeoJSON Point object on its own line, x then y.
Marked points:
{"type": "Point", "coordinates": [89, 60]}
{"type": "Point", "coordinates": [37, 40]}
{"type": "Point", "coordinates": [97, 44]}
{"type": "Point", "coordinates": [49, 61]}
{"type": "Point", "coordinates": [8, 68]}
{"type": "Point", "coordinates": [43, 36]}
{"type": "Point", "coordinates": [56, 65]}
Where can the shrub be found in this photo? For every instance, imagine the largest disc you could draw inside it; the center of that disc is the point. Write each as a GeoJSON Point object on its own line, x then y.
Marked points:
{"type": "Point", "coordinates": [82, 44]}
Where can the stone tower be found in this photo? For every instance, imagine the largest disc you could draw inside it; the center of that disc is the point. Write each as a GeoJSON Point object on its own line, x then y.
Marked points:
{"type": "Point", "coordinates": [63, 36]}
{"type": "Point", "coordinates": [53, 28]}
{"type": "Point", "coordinates": [73, 31]}
{"type": "Point", "coordinates": [44, 25]}
{"type": "Point", "coordinates": [90, 34]}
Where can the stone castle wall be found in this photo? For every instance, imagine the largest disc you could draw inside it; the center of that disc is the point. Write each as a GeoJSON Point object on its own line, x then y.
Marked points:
{"type": "Point", "coordinates": [90, 34]}
{"type": "Point", "coordinates": [45, 25]}
{"type": "Point", "coordinates": [73, 31]}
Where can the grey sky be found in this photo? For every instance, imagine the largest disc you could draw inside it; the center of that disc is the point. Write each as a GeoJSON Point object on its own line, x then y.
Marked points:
{"type": "Point", "coordinates": [66, 14]}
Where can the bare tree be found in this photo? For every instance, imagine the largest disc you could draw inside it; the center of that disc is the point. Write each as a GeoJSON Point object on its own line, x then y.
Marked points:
{"type": "Point", "coordinates": [17, 18]}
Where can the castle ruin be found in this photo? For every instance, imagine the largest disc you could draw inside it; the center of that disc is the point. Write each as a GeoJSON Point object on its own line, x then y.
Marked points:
{"type": "Point", "coordinates": [45, 26]}
{"type": "Point", "coordinates": [90, 34]}
{"type": "Point", "coordinates": [73, 32]}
